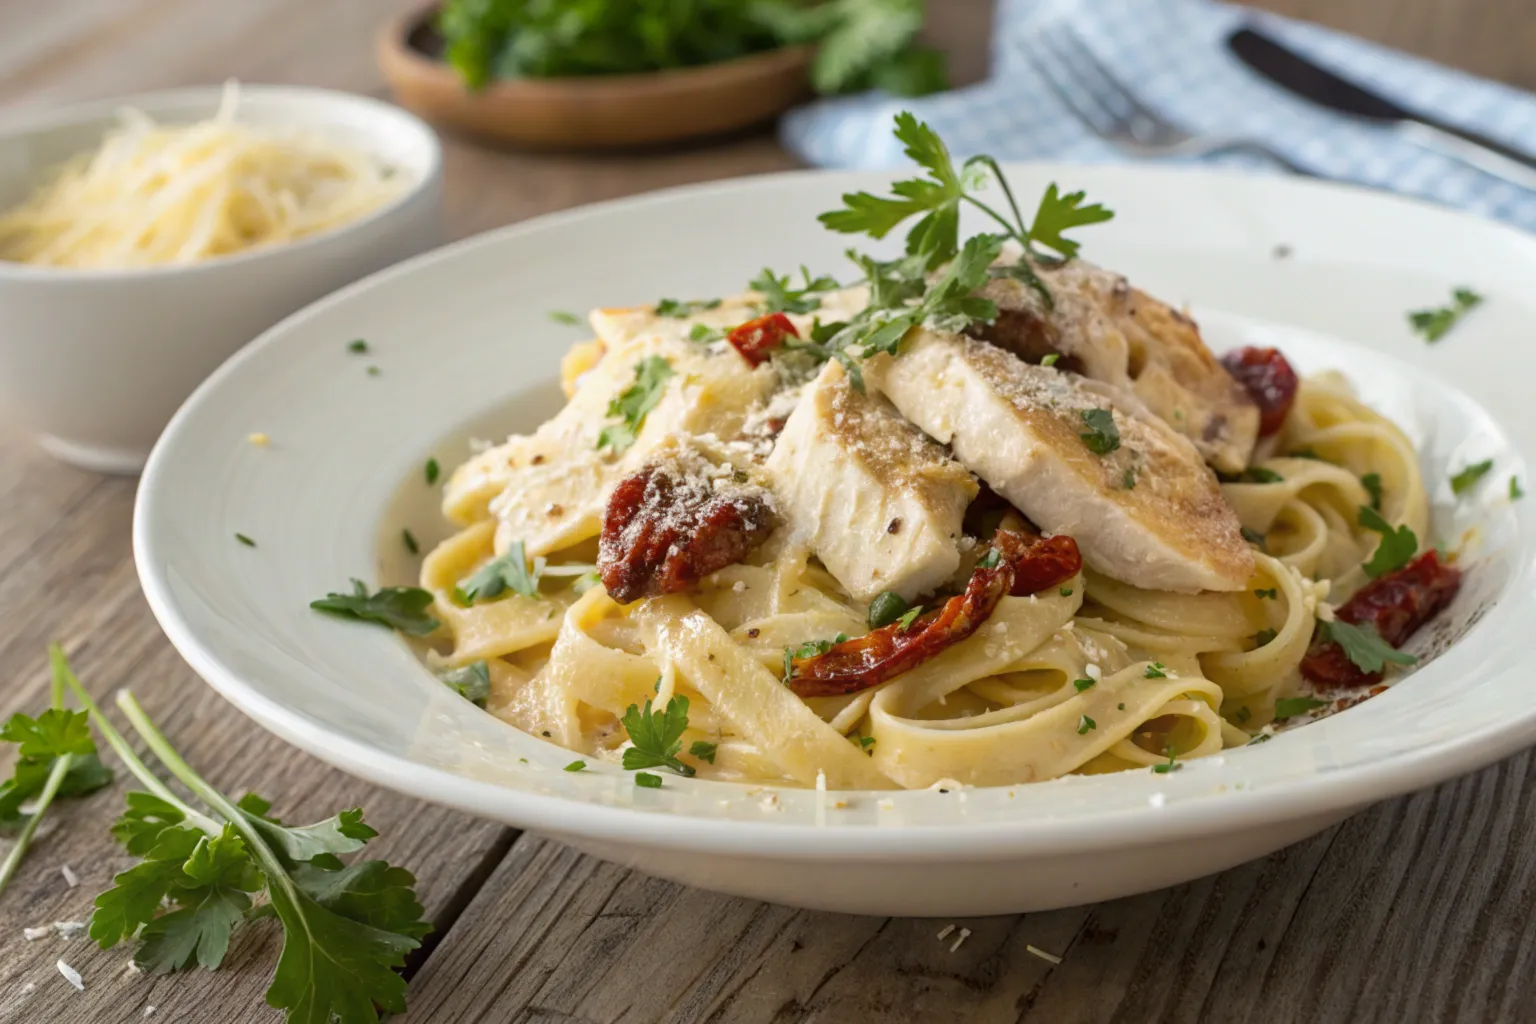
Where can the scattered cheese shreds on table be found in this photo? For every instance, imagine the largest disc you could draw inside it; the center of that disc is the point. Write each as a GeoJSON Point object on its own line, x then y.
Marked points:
{"type": "Point", "coordinates": [70, 878]}
{"type": "Point", "coordinates": [965, 933]}
{"type": "Point", "coordinates": [70, 975]}
{"type": "Point", "coordinates": [1043, 955]}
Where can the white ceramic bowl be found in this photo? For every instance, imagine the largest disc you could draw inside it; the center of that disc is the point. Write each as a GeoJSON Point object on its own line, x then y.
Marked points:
{"type": "Point", "coordinates": [344, 474]}
{"type": "Point", "coordinates": [94, 362]}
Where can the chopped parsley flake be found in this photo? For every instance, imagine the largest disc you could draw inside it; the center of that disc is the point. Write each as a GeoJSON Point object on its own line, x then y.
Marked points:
{"type": "Point", "coordinates": [1128, 480]}
{"type": "Point", "coordinates": [909, 617]}
{"type": "Point", "coordinates": [575, 766]}
{"type": "Point", "coordinates": [1434, 324]}
{"type": "Point", "coordinates": [561, 316]}
{"type": "Point", "coordinates": [634, 403]}
{"type": "Point", "coordinates": [1262, 737]}
{"type": "Point", "coordinates": [431, 471]}
{"type": "Point", "coordinates": [1372, 482]}
{"type": "Point", "coordinates": [678, 310]}
{"type": "Point", "coordinates": [1083, 684]}
{"type": "Point", "coordinates": [401, 608]}
{"type": "Point", "coordinates": [1516, 492]}
{"type": "Point", "coordinates": [1255, 538]}
{"type": "Point", "coordinates": [990, 559]}
{"type": "Point", "coordinates": [357, 347]}
{"type": "Point", "coordinates": [1101, 436]}
{"type": "Point", "coordinates": [645, 780]}
{"type": "Point", "coordinates": [1242, 715]}
{"type": "Point", "coordinates": [1290, 707]}
{"type": "Point", "coordinates": [1273, 593]}
{"type": "Point", "coordinates": [1050, 359]}
{"type": "Point", "coordinates": [656, 737]}
{"type": "Point", "coordinates": [1364, 646]}
{"type": "Point", "coordinates": [703, 751]}
{"type": "Point", "coordinates": [472, 682]}
{"type": "Point", "coordinates": [1086, 725]}
{"type": "Point", "coordinates": [1065, 591]}
{"type": "Point", "coordinates": [1263, 637]}
{"type": "Point", "coordinates": [1156, 671]}
{"type": "Point", "coordinates": [866, 743]}
{"type": "Point", "coordinates": [1468, 478]}
{"type": "Point", "coordinates": [1397, 547]}
{"type": "Point", "coordinates": [494, 578]}
{"type": "Point", "coordinates": [704, 334]}
{"type": "Point", "coordinates": [1260, 475]}
{"type": "Point", "coordinates": [243, 539]}
{"type": "Point", "coordinates": [780, 296]}
{"type": "Point", "coordinates": [409, 540]}
{"type": "Point", "coordinates": [809, 649]}
{"type": "Point", "coordinates": [1172, 765]}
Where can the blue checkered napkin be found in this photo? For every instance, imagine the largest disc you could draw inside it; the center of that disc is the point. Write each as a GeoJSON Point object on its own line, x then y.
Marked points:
{"type": "Point", "coordinates": [1172, 54]}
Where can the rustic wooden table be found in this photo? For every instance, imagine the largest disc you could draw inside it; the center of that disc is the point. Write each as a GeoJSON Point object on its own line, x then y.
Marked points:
{"type": "Point", "coordinates": [1416, 909]}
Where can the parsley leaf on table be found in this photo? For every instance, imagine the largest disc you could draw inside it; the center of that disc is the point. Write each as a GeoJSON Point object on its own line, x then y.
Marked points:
{"type": "Point", "coordinates": [1398, 545]}
{"type": "Point", "coordinates": [401, 608]}
{"type": "Point", "coordinates": [55, 757]}
{"type": "Point", "coordinates": [1364, 646]}
{"type": "Point", "coordinates": [656, 737]}
{"type": "Point", "coordinates": [1468, 478]}
{"type": "Point", "coordinates": [496, 577]}
{"type": "Point", "coordinates": [346, 927]}
{"type": "Point", "coordinates": [1435, 324]}
{"type": "Point", "coordinates": [634, 403]}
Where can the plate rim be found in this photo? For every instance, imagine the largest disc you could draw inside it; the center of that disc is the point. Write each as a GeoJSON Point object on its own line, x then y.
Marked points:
{"type": "Point", "coordinates": [1341, 789]}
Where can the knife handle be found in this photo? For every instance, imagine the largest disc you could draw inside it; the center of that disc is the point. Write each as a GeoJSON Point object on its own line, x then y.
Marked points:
{"type": "Point", "coordinates": [1470, 148]}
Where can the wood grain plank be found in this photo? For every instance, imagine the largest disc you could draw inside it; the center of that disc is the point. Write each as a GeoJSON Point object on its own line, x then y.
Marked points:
{"type": "Point", "coordinates": [1416, 909]}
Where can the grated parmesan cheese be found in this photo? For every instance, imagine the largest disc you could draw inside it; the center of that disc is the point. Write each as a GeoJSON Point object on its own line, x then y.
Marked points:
{"type": "Point", "coordinates": [163, 195]}
{"type": "Point", "coordinates": [70, 975]}
{"type": "Point", "coordinates": [31, 934]}
{"type": "Point", "coordinates": [1043, 955]}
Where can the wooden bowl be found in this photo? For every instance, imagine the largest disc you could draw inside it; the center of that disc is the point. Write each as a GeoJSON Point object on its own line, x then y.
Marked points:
{"type": "Point", "coordinates": [591, 113]}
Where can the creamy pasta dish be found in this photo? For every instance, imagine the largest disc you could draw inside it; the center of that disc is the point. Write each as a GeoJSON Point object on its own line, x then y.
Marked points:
{"type": "Point", "coordinates": [988, 515]}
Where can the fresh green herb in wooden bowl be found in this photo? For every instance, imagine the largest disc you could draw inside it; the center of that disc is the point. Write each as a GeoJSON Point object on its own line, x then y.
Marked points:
{"type": "Point", "coordinates": [601, 73]}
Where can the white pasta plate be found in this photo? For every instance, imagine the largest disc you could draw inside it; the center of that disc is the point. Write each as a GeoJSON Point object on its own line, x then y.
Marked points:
{"type": "Point", "coordinates": [464, 347]}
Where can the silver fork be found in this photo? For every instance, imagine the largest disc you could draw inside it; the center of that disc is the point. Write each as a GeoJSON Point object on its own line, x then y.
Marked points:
{"type": "Point", "coordinates": [1111, 111]}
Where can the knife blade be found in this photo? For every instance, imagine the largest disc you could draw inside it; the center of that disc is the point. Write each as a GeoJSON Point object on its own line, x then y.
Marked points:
{"type": "Point", "coordinates": [1298, 75]}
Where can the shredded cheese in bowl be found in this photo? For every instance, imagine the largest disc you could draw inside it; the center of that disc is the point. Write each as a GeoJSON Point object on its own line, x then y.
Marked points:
{"type": "Point", "coordinates": [166, 195]}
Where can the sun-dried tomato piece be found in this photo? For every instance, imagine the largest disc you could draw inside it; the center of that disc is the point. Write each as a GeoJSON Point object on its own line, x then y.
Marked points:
{"type": "Point", "coordinates": [666, 528]}
{"type": "Point", "coordinates": [1269, 380]}
{"type": "Point", "coordinates": [1396, 604]}
{"type": "Point", "coordinates": [1024, 566]}
{"type": "Point", "coordinates": [756, 339]}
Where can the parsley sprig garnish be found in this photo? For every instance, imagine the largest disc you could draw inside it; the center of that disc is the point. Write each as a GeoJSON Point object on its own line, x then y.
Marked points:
{"type": "Point", "coordinates": [55, 757]}
{"type": "Point", "coordinates": [680, 310]}
{"type": "Point", "coordinates": [1435, 324]}
{"type": "Point", "coordinates": [472, 682]}
{"type": "Point", "coordinates": [634, 403]}
{"type": "Point", "coordinates": [656, 737]}
{"type": "Point", "coordinates": [900, 296]}
{"type": "Point", "coordinates": [1398, 544]}
{"type": "Point", "coordinates": [346, 927]}
{"type": "Point", "coordinates": [402, 608]}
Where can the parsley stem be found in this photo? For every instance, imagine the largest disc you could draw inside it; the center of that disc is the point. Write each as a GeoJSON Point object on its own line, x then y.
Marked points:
{"type": "Point", "coordinates": [1002, 181]}
{"type": "Point", "coordinates": [125, 752]}
{"type": "Point", "coordinates": [24, 838]}
{"type": "Point", "coordinates": [277, 873]}
{"type": "Point", "coordinates": [1012, 229]}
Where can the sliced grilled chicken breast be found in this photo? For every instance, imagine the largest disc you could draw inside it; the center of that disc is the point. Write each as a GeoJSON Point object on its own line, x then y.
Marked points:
{"type": "Point", "coordinates": [873, 496]}
{"type": "Point", "coordinates": [1147, 511]}
{"type": "Point", "coordinates": [1103, 328]}
{"type": "Point", "coordinates": [549, 488]}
